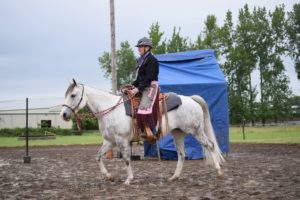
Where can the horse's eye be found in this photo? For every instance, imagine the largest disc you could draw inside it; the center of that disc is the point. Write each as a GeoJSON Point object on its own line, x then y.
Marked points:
{"type": "Point", "coordinates": [73, 95]}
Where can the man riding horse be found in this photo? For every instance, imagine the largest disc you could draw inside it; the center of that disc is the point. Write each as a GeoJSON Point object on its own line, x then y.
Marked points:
{"type": "Point", "coordinates": [146, 85]}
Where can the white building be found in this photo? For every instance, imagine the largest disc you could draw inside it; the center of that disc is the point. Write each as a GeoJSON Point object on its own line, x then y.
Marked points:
{"type": "Point", "coordinates": [38, 113]}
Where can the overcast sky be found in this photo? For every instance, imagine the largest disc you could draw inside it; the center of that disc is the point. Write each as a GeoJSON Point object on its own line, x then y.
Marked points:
{"type": "Point", "coordinates": [44, 43]}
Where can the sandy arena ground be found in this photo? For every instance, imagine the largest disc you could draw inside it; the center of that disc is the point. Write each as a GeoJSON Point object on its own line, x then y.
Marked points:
{"type": "Point", "coordinates": [252, 171]}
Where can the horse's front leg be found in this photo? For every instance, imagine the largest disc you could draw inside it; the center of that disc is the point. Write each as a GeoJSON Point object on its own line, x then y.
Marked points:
{"type": "Point", "coordinates": [103, 149]}
{"type": "Point", "coordinates": [124, 146]}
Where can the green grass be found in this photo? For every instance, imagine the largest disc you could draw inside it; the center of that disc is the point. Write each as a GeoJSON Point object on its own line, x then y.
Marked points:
{"type": "Point", "coordinates": [276, 135]}
{"type": "Point", "coordinates": [86, 138]}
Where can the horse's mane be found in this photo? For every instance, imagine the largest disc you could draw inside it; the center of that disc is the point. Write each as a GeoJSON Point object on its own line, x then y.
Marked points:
{"type": "Point", "coordinates": [72, 86]}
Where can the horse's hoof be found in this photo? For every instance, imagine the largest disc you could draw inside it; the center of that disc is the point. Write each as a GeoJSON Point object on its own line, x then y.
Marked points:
{"type": "Point", "coordinates": [111, 178]}
{"type": "Point", "coordinates": [221, 177]}
{"type": "Point", "coordinates": [127, 182]}
{"type": "Point", "coordinates": [173, 178]}
{"type": "Point", "coordinates": [220, 174]}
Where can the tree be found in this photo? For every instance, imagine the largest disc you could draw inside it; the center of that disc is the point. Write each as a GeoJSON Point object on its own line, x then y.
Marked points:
{"type": "Point", "coordinates": [293, 32]}
{"type": "Point", "coordinates": [226, 46]}
{"type": "Point", "coordinates": [245, 56]}
{"type": "Point", "coordinates": [159, 46]}
{"type": "Point", "coordinates": [125, 61]}
{"type": "Point", "coordinates": [177, 43]}
{"type": "Point", "coordinates": [263, 44]}
{"type": "Point", "coordinates": [210, 31]}
{"type": "Point", "coordinates": [295, 101]}
{"type": "Point", "coordinates": [280, 93]}
{"type": "Point", "coordinates": [269, 47]}
{"type": "Point", "coordinates": [257, 41]}
{"type": "Point", "coordinates": [199, 42]}
{"type": "Point", "coordinates": [236, 49]}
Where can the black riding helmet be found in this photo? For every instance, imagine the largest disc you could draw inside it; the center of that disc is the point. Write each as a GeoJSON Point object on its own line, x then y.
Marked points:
{"type": "Point", "coordinates": [144, 42]}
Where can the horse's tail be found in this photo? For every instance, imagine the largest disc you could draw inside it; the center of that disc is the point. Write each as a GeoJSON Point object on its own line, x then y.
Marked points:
{"type": "Point", "coordinates": [215, 155]}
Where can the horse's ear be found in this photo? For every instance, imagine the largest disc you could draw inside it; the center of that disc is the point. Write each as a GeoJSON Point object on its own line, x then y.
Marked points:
{"type": "Point", "coordinates": [74, 82]}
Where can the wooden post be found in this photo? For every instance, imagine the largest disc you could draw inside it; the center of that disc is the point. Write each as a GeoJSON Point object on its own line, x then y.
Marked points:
{"type": "Point", "coordinates": [158, 151]}
{"type": "Point", "coordinates": [27, 158]}
{"type": "Point", "coordinates": [113, 47]}
{"type": "Point", "coordinates": [244, 124]}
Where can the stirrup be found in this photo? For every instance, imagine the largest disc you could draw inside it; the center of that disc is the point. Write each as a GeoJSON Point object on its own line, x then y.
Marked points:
{"type": "Point", "coordinates": [143, 135]}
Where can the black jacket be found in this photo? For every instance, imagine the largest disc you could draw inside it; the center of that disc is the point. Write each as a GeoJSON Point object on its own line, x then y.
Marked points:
{"type": "Point", "coordinates": [147, 72]}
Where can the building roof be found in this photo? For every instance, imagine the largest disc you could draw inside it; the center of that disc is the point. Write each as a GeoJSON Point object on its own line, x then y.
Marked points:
{"type": "Point", "coordinates": [36, 103]}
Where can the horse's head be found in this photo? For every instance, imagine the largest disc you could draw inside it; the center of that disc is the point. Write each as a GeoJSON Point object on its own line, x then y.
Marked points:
{"type": "Point", "coordinates": [74, 100]}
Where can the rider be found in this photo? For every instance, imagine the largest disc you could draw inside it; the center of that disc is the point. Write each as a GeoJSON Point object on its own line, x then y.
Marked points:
{"type": "Point", "coordinates": [146, 84]}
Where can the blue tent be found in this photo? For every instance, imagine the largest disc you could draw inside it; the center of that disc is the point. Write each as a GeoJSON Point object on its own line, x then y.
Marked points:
{"type": "Point", "coordinates": [194, 73]}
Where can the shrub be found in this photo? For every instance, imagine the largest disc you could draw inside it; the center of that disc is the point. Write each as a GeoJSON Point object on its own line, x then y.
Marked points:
{"type": "Point", "coordinates": [16, 132]}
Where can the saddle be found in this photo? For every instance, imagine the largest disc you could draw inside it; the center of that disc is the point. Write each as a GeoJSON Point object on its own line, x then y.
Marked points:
{"type": "Point", "coordinates": [133, 104]}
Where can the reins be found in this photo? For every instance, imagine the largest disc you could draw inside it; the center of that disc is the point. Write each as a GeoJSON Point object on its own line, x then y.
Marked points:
{"type": "Point", "coordinates": [92, 116]}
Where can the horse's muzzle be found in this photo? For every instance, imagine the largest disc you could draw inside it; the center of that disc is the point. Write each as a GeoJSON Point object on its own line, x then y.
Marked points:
{"type": "Point", "coordinates": [66, 117]}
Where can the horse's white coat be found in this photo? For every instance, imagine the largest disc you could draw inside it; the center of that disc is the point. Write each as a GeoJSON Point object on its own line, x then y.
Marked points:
{"type": "Point", "coordinates": [191, 117]}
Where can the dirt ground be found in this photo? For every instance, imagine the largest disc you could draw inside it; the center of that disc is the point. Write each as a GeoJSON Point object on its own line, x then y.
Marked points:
{"type": "Point", "coordinates": [251, 172]}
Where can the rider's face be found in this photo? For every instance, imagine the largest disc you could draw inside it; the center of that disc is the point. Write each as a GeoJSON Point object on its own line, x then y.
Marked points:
{"type": "Point", "coordinates": [142, 50]}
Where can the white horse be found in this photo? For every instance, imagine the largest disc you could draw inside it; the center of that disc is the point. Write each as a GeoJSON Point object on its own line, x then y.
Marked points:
{"type": "Point", "coordinates": [116, 127]}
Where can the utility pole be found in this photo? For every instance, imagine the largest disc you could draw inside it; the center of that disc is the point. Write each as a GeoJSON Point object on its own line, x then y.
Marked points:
{"type": "Point", "coordinates": [113, 47]}
{"type": "Point", "coordinates": [109, 153]}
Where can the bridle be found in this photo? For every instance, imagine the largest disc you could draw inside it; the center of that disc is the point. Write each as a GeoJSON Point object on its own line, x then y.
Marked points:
{"type": "Point", "coordinates": [73, 109]}
{"type": "Point", "coordinates": [101, 113]}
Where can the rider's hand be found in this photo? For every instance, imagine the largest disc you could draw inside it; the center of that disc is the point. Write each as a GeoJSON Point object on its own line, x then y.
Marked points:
{"type": "Point", "coordinates": [124, 90]}
{"type": "Point", "coordinates": [134, 91]}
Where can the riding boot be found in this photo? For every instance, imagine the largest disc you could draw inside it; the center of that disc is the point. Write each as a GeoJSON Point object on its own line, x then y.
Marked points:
{"type": "Point", "coordinates": [149, 135]}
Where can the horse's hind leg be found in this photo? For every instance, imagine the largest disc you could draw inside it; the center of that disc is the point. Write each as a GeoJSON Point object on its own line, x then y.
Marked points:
{"type": "Point", "coordinates": [203, 139]}
{"type": "Point", "coordinates": [178, 136]}
{"type": "Point", "coordinates": [209, 149]}
{"type": "Point", "coordinates": [103, 149]}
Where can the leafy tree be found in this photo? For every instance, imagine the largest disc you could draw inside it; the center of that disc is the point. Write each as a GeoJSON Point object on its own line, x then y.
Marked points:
{"type": "Point", "coordinates": [245, 56]}
{"type": "Point", "coordinates": [210, 31]}
{"type": "Point", "coordinates": [125, 64]}
{"type": "Point", "coordinates": [177, 43]}
{"type": "Point", "coordinates": [257, 40]}
{"type": "Point", "coordinates": [235, 47]}
{"type": "Point", "coordinates": [226, 41]}
{"type": "Point", "coordinates": [293, 31]}
{"type": "Point", "coordinates": [226, 46]}
{"type": "Point", "coordinates": [263, 44]}
{"type": "Point", "coordinates": [295, 101]}
{"type": "Point", "coordinates": [159, 46]}
{"type": "Point", "coordinates": [199, 42]}
{"type": "Point", "coordinates": [280, 92]}
{"type": "Point", "coordinates": [269, 47]}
